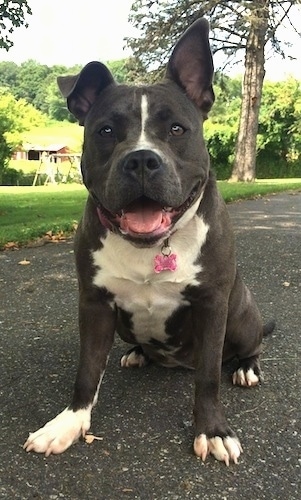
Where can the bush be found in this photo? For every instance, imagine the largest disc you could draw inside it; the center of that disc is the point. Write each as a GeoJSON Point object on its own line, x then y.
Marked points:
{"type": "Point", "coordinates": [13, 177]}
{"type": "Point", "coordinates": [220, 141]}
{"type": "Point", "coordinates": [270, 164]}
{"type": "Point", "coordinates": [267, 168]}
{"type": "Point", "coordinates": [10, 176]}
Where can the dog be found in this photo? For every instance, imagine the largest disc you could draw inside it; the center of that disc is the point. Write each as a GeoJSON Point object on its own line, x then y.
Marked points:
{"type": "Point", "coordinates": [155, 252]}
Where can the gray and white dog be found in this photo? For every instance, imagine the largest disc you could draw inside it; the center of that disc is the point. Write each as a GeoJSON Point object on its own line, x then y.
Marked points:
{"type": "Point", "coordinates": [155, 250]}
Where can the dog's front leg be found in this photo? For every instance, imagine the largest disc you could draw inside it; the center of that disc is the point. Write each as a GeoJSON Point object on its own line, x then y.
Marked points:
{"type": "Point", "coordinates": [212, 433]}
{"type": "Point", "coordinates": [97, 325]}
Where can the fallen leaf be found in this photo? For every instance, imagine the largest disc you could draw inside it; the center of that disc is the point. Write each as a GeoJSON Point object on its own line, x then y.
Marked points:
{"type": "Point", "coordinates": [24, 262]}
{"type": "Point", "coordinates": [50, 236]}
{"type": "Point", "coordinates": [59, 236]}
{"type": "Point", "coordinates": [10, 245]}
{"type": "Point", "coordinates": [89, 438]}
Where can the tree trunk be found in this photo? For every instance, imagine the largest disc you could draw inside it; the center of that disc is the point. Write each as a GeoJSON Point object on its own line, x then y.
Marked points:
{"type": "Point", "coordinates": [244, 168]}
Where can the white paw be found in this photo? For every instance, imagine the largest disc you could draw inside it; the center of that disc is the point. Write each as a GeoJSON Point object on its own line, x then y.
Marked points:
{"type": "Point", "coordinates": [133, 360]}
{"type": "Point", "coordinates": [245, 378]}
{"type": "Point", "coordinates": [58, 434]}
{"type": "Point", "coordinates": [223, 449]}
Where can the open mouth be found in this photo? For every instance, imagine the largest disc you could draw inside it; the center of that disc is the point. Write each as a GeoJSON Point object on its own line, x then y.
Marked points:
{"type": "Point", "coordinates": [144, 218]}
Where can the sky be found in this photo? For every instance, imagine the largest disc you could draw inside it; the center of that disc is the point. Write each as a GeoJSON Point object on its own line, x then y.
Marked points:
{"type": "Point", "coordinates": [72, 32]}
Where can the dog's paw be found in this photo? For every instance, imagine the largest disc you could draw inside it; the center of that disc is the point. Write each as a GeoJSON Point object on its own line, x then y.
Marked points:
{"type": "Point", "coordinates": [245, 378]}
{"type": "Point", "coordinates": [134, 358]}
{"type": "Point", "coordinates": [224, 449]}
{"type": "Point", "coordinates": [58, 434]}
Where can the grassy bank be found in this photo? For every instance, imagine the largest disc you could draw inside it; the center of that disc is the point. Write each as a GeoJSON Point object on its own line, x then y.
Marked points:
{"type": "Point", "coordinates": [28, 213]}
{"type": "Point", "coordinates": [242, 190]}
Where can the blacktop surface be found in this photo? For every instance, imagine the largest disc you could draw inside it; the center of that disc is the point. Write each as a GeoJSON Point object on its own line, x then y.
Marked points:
{"type": "Point", "coordinates": [144, 416]}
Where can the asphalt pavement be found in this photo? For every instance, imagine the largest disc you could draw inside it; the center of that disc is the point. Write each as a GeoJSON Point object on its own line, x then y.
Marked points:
{"type": "Point", "coordinates": [144, 416]}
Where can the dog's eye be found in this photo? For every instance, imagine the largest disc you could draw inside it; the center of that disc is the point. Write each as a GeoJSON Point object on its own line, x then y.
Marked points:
{"type": "Point", "coordinates": [177, 129]}
{"type": "Point", "coordinates": [106, 131]}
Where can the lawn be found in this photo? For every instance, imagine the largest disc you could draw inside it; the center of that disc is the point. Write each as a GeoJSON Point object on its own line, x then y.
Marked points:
{"type": "Point", "coordinates": [241, 190]}
{"type": "Point", "coordinates": [28, 213]}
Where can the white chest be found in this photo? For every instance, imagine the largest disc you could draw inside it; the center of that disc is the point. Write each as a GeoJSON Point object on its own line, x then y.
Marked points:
{"type": "Point", "coordinates": [128, 273]}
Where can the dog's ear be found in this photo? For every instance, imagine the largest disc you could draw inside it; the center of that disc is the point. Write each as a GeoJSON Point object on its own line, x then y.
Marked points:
{"type": "Point", "coordinates": [191, 65]}
{"type": "Point", "coordinates": [81, 90]}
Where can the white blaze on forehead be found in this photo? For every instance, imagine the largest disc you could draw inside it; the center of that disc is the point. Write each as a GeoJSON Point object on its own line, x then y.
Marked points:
{"type": "Point", "coordinates": [144, 115]}
{"type": "Point", "coordinates": [143, 142]}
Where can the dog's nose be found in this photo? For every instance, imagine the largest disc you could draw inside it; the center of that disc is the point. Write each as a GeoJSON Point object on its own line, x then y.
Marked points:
{"type": "Point", "coordinates": [142, 161]}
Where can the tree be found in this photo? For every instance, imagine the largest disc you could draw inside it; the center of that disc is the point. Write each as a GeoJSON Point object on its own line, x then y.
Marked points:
{"type": "Point", "coordinates": [279, 133]}
{"type": "Point", "coordinates": [15, 118]}
{"type": "Point", "coordinates": [12, 15]}
{"type": "Point", "coordinates": [31, 81]}
{"type": "Point", "coordinates": [9, 75]}
{"type": "Point", "coordinates": [237, 27]}
{"type": "Point", "coordinates": [129, 70]}
{"type": "Point", "coordinates": [221, 127]}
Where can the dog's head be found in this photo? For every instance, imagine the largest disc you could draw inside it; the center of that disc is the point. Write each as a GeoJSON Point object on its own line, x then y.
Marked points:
{"type": "Point", "coordinates": [144, 160]}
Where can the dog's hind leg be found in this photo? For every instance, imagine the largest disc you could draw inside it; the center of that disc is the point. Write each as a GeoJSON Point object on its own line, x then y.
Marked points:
{"type": "Point", "coordinates": [134, 358]}
{"type": "Point", "coordinates": [245, 331]}
{"type": "Point", "coordinates": [248, 374]}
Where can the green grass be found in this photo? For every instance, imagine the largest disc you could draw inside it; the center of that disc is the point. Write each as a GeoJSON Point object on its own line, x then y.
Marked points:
{"type": "Point", "coordinates": [28, 213]}
{"type": "Point", "coordinates": [241, 190]}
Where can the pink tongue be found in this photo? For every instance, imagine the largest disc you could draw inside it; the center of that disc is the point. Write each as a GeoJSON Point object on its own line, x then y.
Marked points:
{"type": "Point", "coordinates": [145, 221]}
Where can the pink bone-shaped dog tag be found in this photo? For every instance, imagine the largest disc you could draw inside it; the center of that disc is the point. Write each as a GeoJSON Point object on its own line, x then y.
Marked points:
{"type": "Point", "coordinates": [165, 263]}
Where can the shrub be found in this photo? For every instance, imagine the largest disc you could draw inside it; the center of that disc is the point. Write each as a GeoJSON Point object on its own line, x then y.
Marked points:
{"type": "Point", "coordinates": [13, 177]}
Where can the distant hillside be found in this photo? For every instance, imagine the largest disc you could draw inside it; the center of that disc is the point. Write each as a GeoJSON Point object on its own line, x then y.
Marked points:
{"type": "Point", "coordinates": [68, 134]}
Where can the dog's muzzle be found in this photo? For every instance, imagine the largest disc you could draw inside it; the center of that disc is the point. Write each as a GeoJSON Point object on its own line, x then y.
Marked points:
{"type": "Point", "coordinates": [144, 220]}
